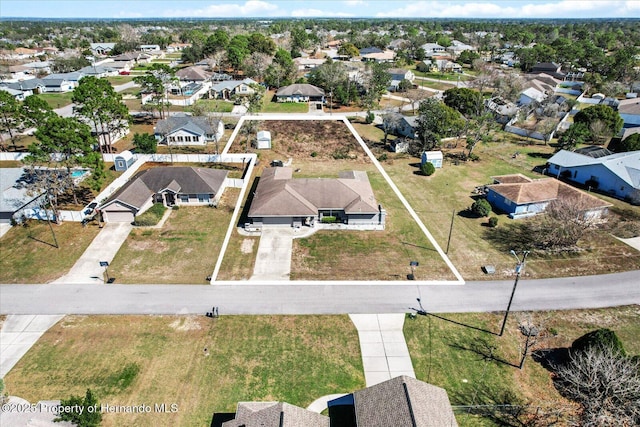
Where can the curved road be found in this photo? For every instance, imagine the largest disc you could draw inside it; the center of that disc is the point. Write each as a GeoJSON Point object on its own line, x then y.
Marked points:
{"type": "Point", "coordinates": [318, 298]}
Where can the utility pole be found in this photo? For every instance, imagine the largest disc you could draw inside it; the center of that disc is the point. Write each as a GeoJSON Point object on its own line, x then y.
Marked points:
{"type": "Point", "coordinates": [453, 215]}
{"type": "Point", "coordinates": [519, 268]}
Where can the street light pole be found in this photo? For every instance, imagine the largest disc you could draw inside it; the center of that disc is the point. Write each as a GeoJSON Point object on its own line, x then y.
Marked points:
{"type": "Point", "coordinates": [519, 268]}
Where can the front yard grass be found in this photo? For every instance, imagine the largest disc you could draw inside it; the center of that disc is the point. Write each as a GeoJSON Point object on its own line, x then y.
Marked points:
{"type": "Point", "coordinates": [452, 356]}
{"type": "Point", "coordinates": [269, 105]}
{"type": "Point", "coordinates": [56, 100]}
{"type": "Point", "coordinates": [29, 254]}
{"type": "Point", "coordinates": [184, 250]}
{"type": "Point", "coordinates": [133, 360]}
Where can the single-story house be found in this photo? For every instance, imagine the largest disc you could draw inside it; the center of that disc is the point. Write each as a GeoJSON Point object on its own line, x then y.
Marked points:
{"type": "Point", "coordinates": [226, 89]}
{"type": "Point", "coordinates": [405, 126]}
{"type": "Point", "coordinates": [502, 110]}
{"type": "Point", "coordinates": [17, 94]}
{"type": "Point", "coordinates": [193, 74]}
{"type": "Point", "coordinates": [629, 110]}
{"type": "Point", "coordinates": [308, 63]}
{"type": "Point", "coordinates": [400, 401]}
{"type": "Point", "coordinates": [177, 47]}
{"type": "Point", "coordinates": [531, 95]}
{"type": "Point", "coordinates": [457, 47]}
{"type": "Point", "coordinates": [15, 198]}
{"type": "Point", "coordinates": [431, 49]}
{"type": "Point", "coordinates": [379, 57]}
{"type": "Point", "coordinates": [550, 68]}
{"type": "Point", "coordinates": [397, 76]}
{"type": "Point", "coordinates": [168, 185]}
{"type": "Point", "coordinates": [101, 49]}
{"type": "Point", "coordinates": [98, 71]}
{"type": "Point", "coordinates": [188, 130]}
{"type": "Point", "coordinates": [433, 157]}
{"type": "Point", "coordinates": [28, 87]}
{"type": "Point", "coordinates": [615, 174]}
{"type": "Point", "coordinates": [280, 199]}
{"type": "Point", "coordinates": [275, 414]}
{"type": "Point", "coordinates": [300, 92]}
{"type": "Point", "coordinates": [521, 197]}
{"type": "Point", "coordinates": [154, 48]}
{"type": "Point", "coordinates": [397, 44]}
{"type": "Point", "coordinates": [59, 82]}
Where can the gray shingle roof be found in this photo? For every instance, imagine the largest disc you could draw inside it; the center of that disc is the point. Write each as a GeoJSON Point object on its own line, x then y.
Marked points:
{"type": "Point", "coordinates": [275, 414]}
{"type": "Point", "coordinates": [300, 89]}
{"type": "Point", "coordinates": [185, 180]}
{"type": "Point", "coordinates": [196, 124]}
{"type": "Point", "coordinates": [278, 194]}
{"type": "Point", "coordinates": [403, 401]}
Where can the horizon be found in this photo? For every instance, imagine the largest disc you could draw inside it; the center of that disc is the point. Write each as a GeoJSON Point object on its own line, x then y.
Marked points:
{"type": "Point", "coordinates": [315, 9]}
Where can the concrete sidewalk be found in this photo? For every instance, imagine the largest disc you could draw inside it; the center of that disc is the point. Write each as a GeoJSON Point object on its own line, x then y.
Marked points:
{"type": "Point", "coordinates": [18, 334]}
{"type": "Point", "coordinates": [385, 354]}
{"type": "Point", "coordinates": [103, 248]}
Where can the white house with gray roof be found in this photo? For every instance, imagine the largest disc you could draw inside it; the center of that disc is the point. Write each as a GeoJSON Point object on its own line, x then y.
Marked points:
{"type": "Point", "coordinates": [281, 200]}
{"type": "Point", "coordinates": [168, 185]}
{"type": "Point", "coordinates": [188, 130]}
{"type": "Point", "coordinates": [616, 174]}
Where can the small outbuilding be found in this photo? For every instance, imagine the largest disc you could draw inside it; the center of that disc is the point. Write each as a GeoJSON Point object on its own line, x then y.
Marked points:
{"type": "Point", "coordinates": [123, 161]}
{"type": "Point", "coordinates": [433, 157]}
{"type": "Point", "coordinates": [264, 140]}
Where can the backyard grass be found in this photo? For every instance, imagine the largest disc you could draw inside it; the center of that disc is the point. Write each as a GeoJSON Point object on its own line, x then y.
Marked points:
{"type": "Point", "coordinates": [434, 85]}
{"type": "Point", "coordinates": [56, 100]}
{"type": "Point", "coordinates": [452, 356]}
{"type": "Point", "coordinates": [29, 254]}
{"type": "Point", "coordinates": [133, 360]}
{"type": "Point", "coordinates": [451, 77]}
{"type": "Point", "coordinates": [183, 250]}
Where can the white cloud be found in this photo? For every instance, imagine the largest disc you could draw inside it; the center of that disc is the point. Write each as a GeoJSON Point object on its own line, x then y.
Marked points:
{"type": "Point", "coordinates": [516, 9]}
{"type": "Point", "coordinates": [126, 14]}
{"type": "Point", "coordinates": [301, 13]}
{"type": "Point", "coordinates": [355, 3]}
{"type": "Point", "coordinates": [228, 10]}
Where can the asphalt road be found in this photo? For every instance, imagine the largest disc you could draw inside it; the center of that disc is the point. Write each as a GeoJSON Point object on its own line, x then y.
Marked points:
{"type": "Point", "coordinates": [317, 298]}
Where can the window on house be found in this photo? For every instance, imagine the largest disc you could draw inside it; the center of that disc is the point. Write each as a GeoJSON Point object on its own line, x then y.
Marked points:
{"type": "Point", "coordinates": [184, 198]}
{"type": "Point", "coordinates": [180, 139]}
{"type": "Point", "coordinates": [187, 139]}
{"type": "Point", "coordinates": [203, 198]}
{"type": "Point", "coordinates": [556, 167]}
{"type": "Point", "coordinates": [594, 178]}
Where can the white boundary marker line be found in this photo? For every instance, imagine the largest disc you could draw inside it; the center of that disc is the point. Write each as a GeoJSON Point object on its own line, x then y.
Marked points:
{"type": "Point", "coordinates": [345, 120]}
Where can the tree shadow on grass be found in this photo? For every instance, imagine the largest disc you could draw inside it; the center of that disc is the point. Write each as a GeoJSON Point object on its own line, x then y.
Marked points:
{"type": "Point", "coordinates": [483, 348]}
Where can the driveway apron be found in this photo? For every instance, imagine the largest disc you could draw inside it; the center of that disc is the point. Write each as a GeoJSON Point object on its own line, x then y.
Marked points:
{"type": "Point", "coordinates": [273, 261]}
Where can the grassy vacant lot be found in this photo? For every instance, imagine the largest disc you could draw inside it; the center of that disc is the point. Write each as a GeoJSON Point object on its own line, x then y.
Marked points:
{"type": "Point", "coordinates": [29, 254]}
{"type": "Point", "coordinates": [454, 356]}
{"type": "Point", "coordinates": [133, 360]}
{"type": "Point", "coordinates": [119, 80]}
{"type": "Point", "coordinates": [184, 250]}
{"type": "Point", "coordinates": [56, 100]}
{"type": "Point", "coordinates": [449, 191]}
{"type": "Point", "coordinates": [216, 105]}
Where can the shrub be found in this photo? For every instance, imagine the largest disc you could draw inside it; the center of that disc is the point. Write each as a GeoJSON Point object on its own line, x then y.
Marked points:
{"type": "Point", "coordinates": [600, 338]}
{"type": "Point", "coordinates": [150, 217]}
{"type": "Point", "coordinates": [329, 219]}
{"type": "Point", "coordinates": [427, 168]}
{"type": "Point", "coordinates": [493, 221]}
{"type": "Point", "coordinates": [370, 118]}
{"type": "Point", "coordinates": [314, 154]}
{"type": "Point", "coordinates": [481, 207]}
{"type": "Point", "coordinates": [382, 157]}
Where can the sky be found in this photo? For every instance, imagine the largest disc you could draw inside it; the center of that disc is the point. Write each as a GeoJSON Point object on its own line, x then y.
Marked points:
{"type": "Point", "coordinates": [317, 8]}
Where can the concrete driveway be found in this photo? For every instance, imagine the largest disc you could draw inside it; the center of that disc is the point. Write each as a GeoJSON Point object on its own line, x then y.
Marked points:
{"type": "Point", "coordinates": [273, 261]}
{"type": "Point", "coordinates": [17, 336]}
{"type": "Point", "coordinates": [103, 248]}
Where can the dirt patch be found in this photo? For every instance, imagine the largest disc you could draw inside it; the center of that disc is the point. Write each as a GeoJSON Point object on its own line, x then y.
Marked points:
{"type": "Point", "coordinates": [247, 246]}
{"type": "Point", "coordinates": [189, 323]}
{"type": "Point", "coordinates": [72, 321]}
{"type": "Point", "coordinates": [318, 139]}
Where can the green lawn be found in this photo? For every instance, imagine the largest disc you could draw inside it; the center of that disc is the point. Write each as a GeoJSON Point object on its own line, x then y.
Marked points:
{"type": "Point", "coordinates": [215, 105]}
{"type": "Point", "coordinates": [451, 77]}
{"type": "Point", "coordinates": [285, 107]}
{"type": "Point", "coordinates": [184, 250]}
{"type": "Point", "coordinates": [29, 254]}
{"type": "Point", "coordinates": [56, 100]}
{"type": "Point", "coordinates": [450, 355]}
{"type": "Point", "coordinates": [119, 80]}
{"type": "Point", "coordinates": [133, 360]}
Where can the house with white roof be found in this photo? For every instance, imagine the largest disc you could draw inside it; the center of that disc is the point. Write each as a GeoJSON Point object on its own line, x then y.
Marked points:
{"type": "Point", "coordinates": [615, 174]}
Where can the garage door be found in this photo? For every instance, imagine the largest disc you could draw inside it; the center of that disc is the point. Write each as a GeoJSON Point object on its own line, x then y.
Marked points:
{"type": "Point", "coordinates": [118, 216]}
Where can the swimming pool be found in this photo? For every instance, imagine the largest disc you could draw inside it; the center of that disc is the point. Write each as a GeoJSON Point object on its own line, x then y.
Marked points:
{"type": "Point", "coordinates": [78, 173]}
